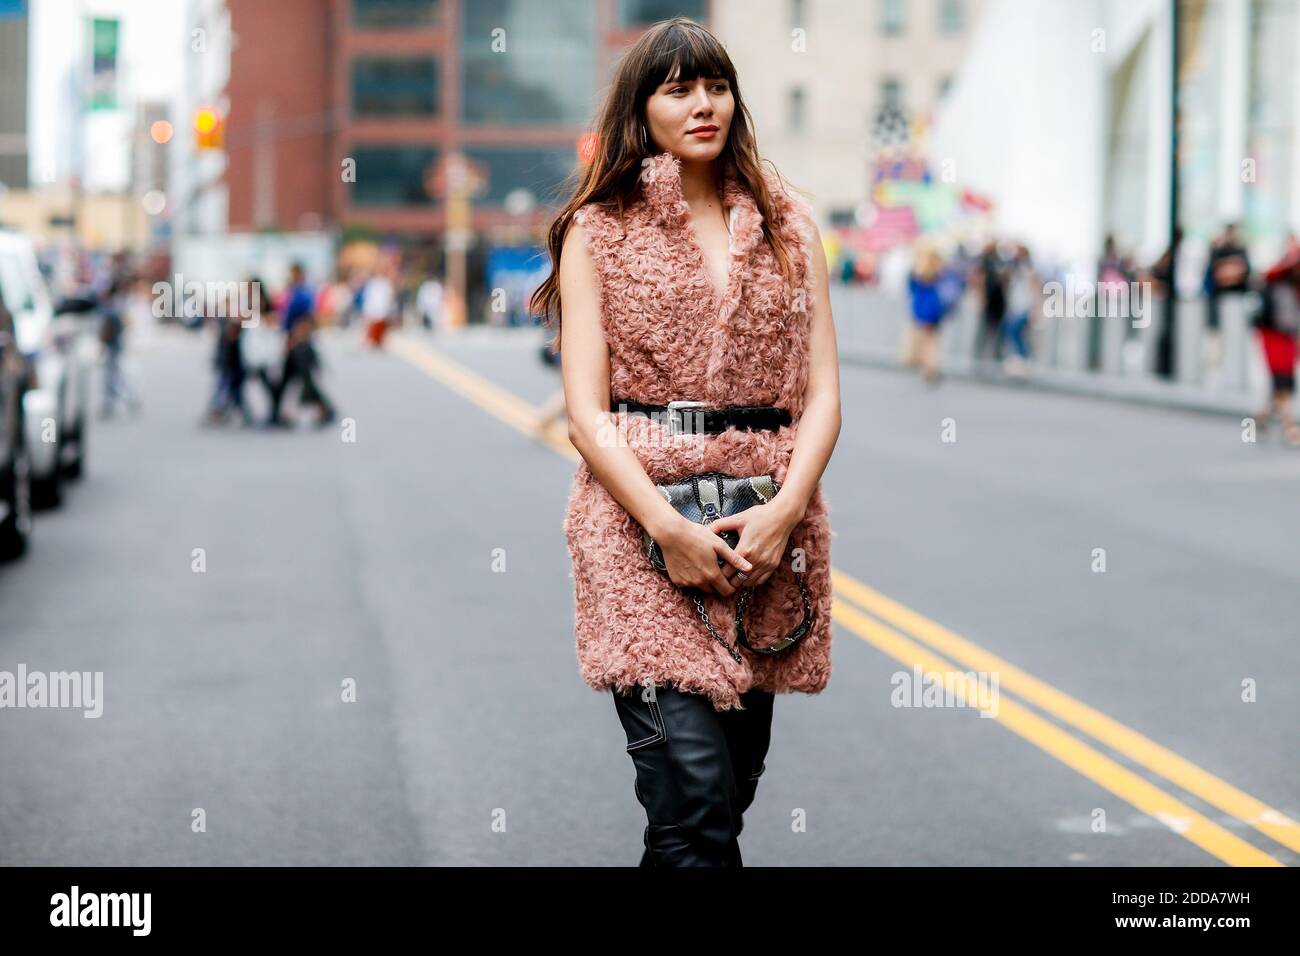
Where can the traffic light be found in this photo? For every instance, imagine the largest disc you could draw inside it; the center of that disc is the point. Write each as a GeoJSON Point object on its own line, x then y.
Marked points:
{"type": "Point", "coordinates": [209, 129]}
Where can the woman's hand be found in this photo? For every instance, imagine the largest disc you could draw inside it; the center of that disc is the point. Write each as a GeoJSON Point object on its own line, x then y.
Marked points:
{"type": "Point", "coordinates": [764, 533]}
{"type": "Point", "coordinates": [691, 552]}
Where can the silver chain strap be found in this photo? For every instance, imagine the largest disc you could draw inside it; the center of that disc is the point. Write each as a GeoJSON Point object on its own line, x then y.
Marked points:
{"type": "Point", "coordinates": [704, 616]}
{"type": "Point", "coordinates": [741, 601]}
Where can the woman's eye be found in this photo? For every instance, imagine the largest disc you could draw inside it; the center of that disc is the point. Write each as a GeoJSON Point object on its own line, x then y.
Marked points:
{"type": "Point", "coordinates": [717, 87]}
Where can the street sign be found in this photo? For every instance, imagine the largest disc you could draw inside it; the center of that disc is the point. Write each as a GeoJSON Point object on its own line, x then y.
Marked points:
{"type": "Point", "coordinates": [454, 173]}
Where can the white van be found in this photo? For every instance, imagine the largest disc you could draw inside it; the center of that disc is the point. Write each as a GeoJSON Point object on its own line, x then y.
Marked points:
{"type": "Point", "coordinates": [54, 405]}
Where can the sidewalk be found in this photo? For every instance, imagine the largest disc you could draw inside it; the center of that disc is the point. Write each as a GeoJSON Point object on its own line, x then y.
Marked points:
{"type": "Point", "coordinates": [1134, 391]}
{"type": "Point", "coordinates": [869, 326]}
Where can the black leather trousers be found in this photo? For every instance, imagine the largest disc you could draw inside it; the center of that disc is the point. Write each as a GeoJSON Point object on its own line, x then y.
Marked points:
{"type": "Point", "coordinates": [697, 771]}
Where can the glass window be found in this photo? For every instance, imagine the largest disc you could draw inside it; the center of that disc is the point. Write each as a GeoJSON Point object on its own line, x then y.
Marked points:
{"type": "Point", "coordinates": [891, 94]}
{"type": "Point", "coordinates": [1126, 153]}
{"type": "Point", "coordinates": [528, 63]}
{"type": "Point", "coordinates": [1200, 95]}
{"type": "Point", "coordinates": [951, 16]}
{"type": "Point", "coordinates": [1271, 141]}
{"type": "Point", "coordinates": [392, 87]}
{"type": "Point", "coordinates": [637, 13]}
{"type": "Point", "coordinates": [798, 14]}
{"type": "Point", "coordinates": [797, 119]}
{"type": "Point", "coordinates": [541, 171]}
{"type": "Point", "coordinates": [392, 175]}
{"type": "Point", "coordinates": [394, 13]}
{"type": "Point", "coordinates": [892, 13]}
{"type": "Point", "coordinates": [843, 218]}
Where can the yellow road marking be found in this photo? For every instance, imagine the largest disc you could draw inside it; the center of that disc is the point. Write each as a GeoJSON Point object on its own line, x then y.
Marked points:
{"type": "Point", "coordinates": [1137, 791]}
{"type": "Point", "coordinates": [1122, 739]}
{"type": "Point", "coordinates": [501, 402]}
{"type": "Point", "coordinates": [1068, 749]}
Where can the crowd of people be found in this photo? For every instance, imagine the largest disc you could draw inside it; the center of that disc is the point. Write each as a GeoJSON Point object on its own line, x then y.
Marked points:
{"type": "Point", "coordinates": [1008, 287]}
{"type": "Point", "coordinates": [277, 350]}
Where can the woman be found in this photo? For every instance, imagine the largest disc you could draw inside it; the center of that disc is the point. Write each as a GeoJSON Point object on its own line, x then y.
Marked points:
{"type": "Point", "coordinates": [661, 304]}
{"type": "Point", "coordinates": [262, 342]}
{"type": "Point", "coordinates": [1021, 282]}
{"type": "Point", "coordinates": [231, 374]}
{"type": "Point", "coordinates": [112, 334]}
{"type": "Point", "coordinates": [990, 274]}
{"type": "Point", "coordinates": [302, 362]}
{"type": "Point", "coordinates": [927, 310]}
{"type": "Point", "coordinates": [378, 300]}
{"type": "Point", "coordinates": [1277, 324]}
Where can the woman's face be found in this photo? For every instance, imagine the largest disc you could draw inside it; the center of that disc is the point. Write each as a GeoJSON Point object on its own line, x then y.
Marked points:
{"type": "Point", "coordinates": [680, 114]}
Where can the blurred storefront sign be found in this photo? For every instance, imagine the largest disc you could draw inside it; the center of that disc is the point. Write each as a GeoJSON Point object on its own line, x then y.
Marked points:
{"type": "Point", "coordinates": [102, 93]}
{"type": "Point", "coordinates": [512, 274]}
{"type": "Point", "coordinates": [907, 200]}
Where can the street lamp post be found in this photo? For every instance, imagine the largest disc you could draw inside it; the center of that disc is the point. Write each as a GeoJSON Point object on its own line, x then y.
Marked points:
{"type": "Point", "coordinates": [1165, 348]}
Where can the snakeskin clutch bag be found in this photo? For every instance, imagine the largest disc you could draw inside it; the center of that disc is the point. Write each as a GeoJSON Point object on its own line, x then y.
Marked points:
{"type": "Point", "coordinates": [704, 498]}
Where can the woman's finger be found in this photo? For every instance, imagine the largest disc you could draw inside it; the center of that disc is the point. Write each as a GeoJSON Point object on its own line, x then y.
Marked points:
{"type": "Point", "coordinates": [721, 585]}
{"type": "Point", "coordinates": [733, 557]}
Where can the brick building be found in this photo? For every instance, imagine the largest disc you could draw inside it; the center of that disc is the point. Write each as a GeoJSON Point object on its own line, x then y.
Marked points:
{"type": "Point", "coordinates": [393, 84]}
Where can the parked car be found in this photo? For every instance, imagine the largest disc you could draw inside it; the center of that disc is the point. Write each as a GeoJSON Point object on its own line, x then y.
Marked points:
{"type": "Point", "coordinates": [58, 361]}
{"type": "Point", "coordinates": [15, 462]}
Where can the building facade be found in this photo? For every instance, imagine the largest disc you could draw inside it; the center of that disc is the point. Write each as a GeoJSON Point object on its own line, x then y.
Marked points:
{"type": "Point", "coordinates": [13, 94]}
{"type": "Point", "coordinates": [1062, 113]}
{"type": "Point", "coordinates": [831, 83]}
{"type": "Point", "coordinates": [340, 110]}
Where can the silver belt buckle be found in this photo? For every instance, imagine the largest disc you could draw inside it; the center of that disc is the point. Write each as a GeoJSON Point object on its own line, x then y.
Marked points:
{"type": "Point", "coordinates": [673, 408]}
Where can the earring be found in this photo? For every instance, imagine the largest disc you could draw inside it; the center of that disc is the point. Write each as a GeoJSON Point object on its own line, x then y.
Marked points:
{"type": "Point", "coordinates": [644, 144]}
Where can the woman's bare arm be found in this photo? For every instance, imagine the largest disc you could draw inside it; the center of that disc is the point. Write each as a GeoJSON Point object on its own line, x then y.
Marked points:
{"type": "Point", "coordinates": [587, 396]}
{"type": "Point", "coordinates": [819, 425]}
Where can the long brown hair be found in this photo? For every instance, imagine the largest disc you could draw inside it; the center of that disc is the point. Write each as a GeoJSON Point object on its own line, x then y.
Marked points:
{"type": "Point", "coordinates": [679, 50]}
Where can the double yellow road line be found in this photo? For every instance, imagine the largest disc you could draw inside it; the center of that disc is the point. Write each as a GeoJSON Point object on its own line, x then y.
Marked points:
{"type": "Point", "coordinates": [914, 640]}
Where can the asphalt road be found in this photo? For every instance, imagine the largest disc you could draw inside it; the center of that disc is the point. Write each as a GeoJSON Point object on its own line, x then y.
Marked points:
{"type": "Point", "coordinates": [369, 563]}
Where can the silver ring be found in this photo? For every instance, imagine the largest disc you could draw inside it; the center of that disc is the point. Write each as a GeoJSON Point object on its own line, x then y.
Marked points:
{"type": "Point", "coordinates": [741, 576]}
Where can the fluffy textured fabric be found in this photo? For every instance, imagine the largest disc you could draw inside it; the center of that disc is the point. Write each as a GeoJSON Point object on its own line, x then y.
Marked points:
{"type": "Point", "coordinates": [670, 338]}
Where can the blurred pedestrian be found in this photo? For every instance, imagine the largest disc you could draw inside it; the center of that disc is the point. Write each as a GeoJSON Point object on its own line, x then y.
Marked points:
{"type": "Point", "coordinates": [1227, 271]}
{"type": "Point", "coordinates": [927, 312]}
{"type": "Point", "coordinates": [112, 335]}
{"type": "Point", "coordinates": [300, 300]}
{"type": "Point", "coordinates": [228, 360]}
{"type": "Point", "coordinates": [1160, 275]}
{"type": "Point", "coordinates": [302, 364]}
{"type": "Point", "coordinates": [1277, 325]}
{"type": "Point", "coordinates": [1114, 276]}
{"type": "Point", "coordinates": [378, 300]}
{"type": "Point", "coordinates": [263, 344]}
{"type": "Point", "coordinates": [848, 266]}
{"type": "Point", "coordinates": [990, 280]}
{"type": "Point", "coordinates": [429, 301]}
{"type": "Point", "coordinates": [1021, 299]}
{"type": "Point", "coordinates": [334, 304]}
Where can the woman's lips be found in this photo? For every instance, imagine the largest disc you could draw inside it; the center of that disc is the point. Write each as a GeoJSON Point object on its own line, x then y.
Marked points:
{"type": "Point", "coordinates": [704, 133]}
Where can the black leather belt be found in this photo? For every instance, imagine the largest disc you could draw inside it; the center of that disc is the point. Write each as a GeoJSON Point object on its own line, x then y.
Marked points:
{"type": "Point", "coordinates": [695, 418]}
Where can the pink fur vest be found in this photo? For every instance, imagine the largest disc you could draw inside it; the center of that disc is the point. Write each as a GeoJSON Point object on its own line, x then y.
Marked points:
{"type": "Point", "coordinates": [670, 338]}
